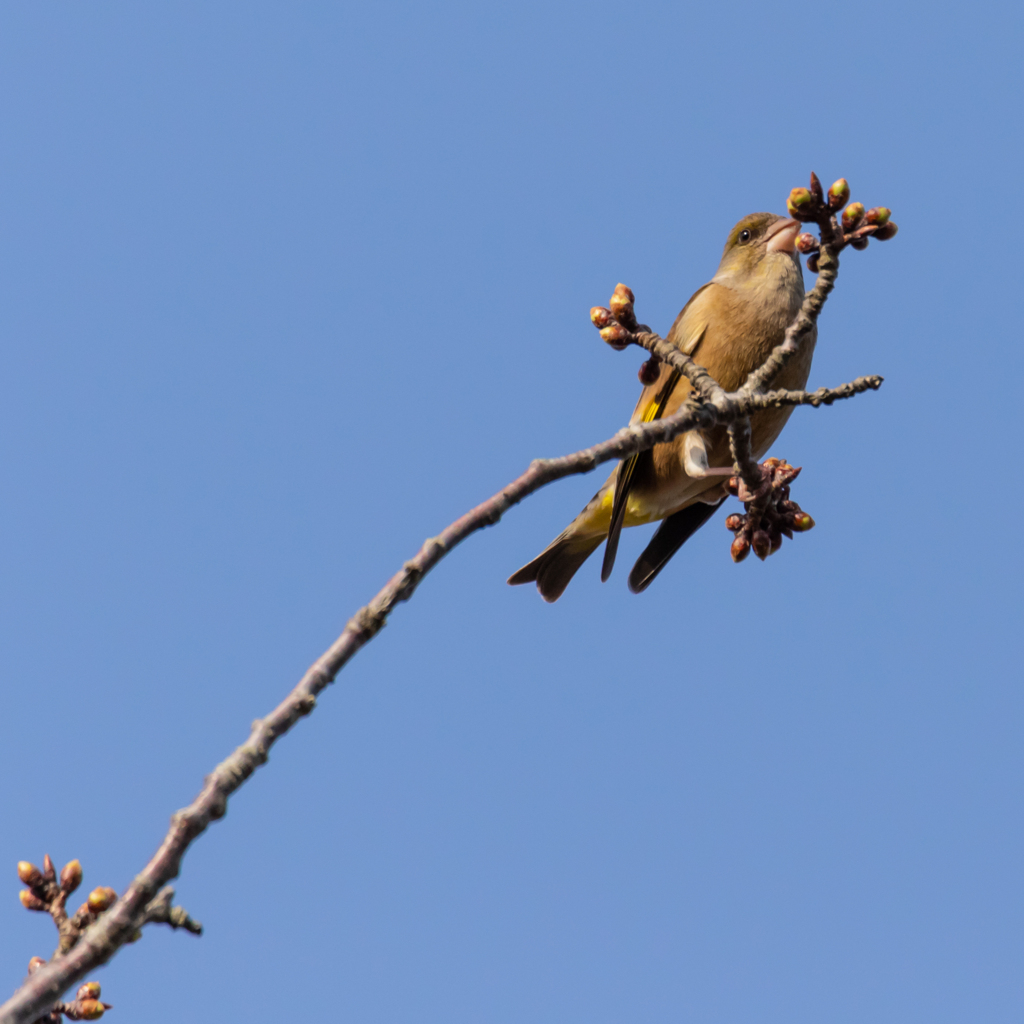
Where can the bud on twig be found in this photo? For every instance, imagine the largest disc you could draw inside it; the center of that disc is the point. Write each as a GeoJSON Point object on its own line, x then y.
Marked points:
{"type": "Point", "coordinates": [35, 963]}
{"type": "Point", "coordinates": [622, 303]}
{"type": "Point", "coordinates": [802, 522]}
{"type": "Point", "coordinates": [30, 874]}
{"type": "Point", "coordinates": [740, 549]}
{"type": "Point", "coordinates": [49, 872]}
{"type": "Point", "coordinates": [761, 543]}
{"type": "Point", "coordinates": [878, 215]}
{"type": "Point", "coordinates": [886, 231]}
{"type": "Point", "coordinates": [816, 188]}
{"type": "Point", "coordinates": [860, 244]}
{"type": "Point", "coordinates": [101, 898]}
{"type": "Point", "coordinates": [615, 335]}
{"type": "Point", "coordinates": [812, 263]}
{"type": "Point", "coordinates": [90, 990]}
{"type": "Point", "coordinates": [600, 317]}
{"type": "Point", "coordinates": [86, 1009]}
{"type": "Point", "coordinates": [852, 216]}
{"type": "Point", "coordinates": [806, 243]}
{"type": "Point", "coordinates": [649, 371]}
{"type": "Point", "coordinates": [70, 877]}
{"type": "Point", "coordinates": [30, 901]}
{"type": "Point", "coordinates": [801, 204]}
{"type": "Point", "coordinates": [838, 194]}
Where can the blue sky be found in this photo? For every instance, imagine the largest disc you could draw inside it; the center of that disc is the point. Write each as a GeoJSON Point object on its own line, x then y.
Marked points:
{"type": "Point", "coordinates": [285, 288]}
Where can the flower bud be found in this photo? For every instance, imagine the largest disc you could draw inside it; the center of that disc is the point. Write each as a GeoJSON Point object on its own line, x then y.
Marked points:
{"type": "Point", "coordinates": [812, 263]}
{"type": "Point", "coordinates": [49, 872]}
{"type": "Point", "coordinates": [852, 216]}
{"type": "Point", "coordinates": [860, 244]}
{"type": "Point", "coordinates": [30, 901]}
{"type": "Point", "coordinates": [802, 522]}
{"type": "Point", "coordinates": [801, 204]}
{"type": "Point", "coordinates": [70, 877]}
{"type": "Point", "coordinates": [886, 231]}
{"type": "Point", "coordinates": [740, 549]}
{"type": "Point", "coordinates": [101, 898]}
{"type": "Point", "coordinates": [776, 539]}
{"type": "Point", "coordinates": [622, 299]}
{"type": "Point", "coordinates": [734, 522]}
{"type": "Point", "coordinates": [90, 990]}
{"type": "Point", "coordinates": [761, 543]}
{"type": "Point", "coordinates": [838, 194]}
{"type": "Point", "coordinates": [816, 188]}
{"type": "Point", "coordinates": [878, 215]}
{"type": "Point", "coordinates": [649, 371]}
{"type": "Point", "coordinates": [787, 473]}
{"type": "Point", "coordinates": [615, 335]}
{"type": "Point", "coordinates": [35, 963]}
{"type": "Point", "coordinates": [30, 874]}
{"type": "Point", "coordinates": [807, 243]}
{"type": "Point", "coordinates": [90, 1009]}
{"type": "Point", "coordinates": [600, 317]}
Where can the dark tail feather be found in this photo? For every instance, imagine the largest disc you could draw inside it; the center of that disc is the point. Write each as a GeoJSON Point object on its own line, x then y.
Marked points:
{"type": "Point", "coordinates": [552, 569]}
{"type": "Point", "coordinates": [673, 533]}
{"type": "Point", "coordinates": [623, 480]}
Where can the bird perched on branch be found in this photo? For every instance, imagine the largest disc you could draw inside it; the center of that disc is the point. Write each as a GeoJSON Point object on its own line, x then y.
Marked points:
{"type": "Point", "coordinates": [729, 327]}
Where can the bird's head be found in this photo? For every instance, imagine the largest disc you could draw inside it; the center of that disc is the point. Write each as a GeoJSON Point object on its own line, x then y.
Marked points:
{"type": "Point", "coordinates": [761, 247]}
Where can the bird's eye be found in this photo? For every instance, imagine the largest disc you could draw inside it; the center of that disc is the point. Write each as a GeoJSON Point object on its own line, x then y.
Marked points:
{"type": "Point", "coordinates": [744, 235]}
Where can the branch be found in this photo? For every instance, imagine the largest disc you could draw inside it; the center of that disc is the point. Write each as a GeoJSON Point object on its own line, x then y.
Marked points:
{"type": "Point", "coordinates": [145, 901]}
{"type": "Point", "coordinates": [160, 911]}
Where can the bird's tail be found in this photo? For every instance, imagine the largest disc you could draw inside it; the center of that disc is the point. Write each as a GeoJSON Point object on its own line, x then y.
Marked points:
{"type": "Point", "coordinates": [673, 533]}
{"type": "Point", "coordinates": [552, 569]}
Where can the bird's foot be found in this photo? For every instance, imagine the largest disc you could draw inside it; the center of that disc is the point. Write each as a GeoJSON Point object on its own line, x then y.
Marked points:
{"type": "Point", "coordinates": [770, 515]}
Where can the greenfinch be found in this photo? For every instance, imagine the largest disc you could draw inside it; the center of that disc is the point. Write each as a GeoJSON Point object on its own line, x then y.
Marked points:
{"type": "Point", "coordinates": [729, 327]}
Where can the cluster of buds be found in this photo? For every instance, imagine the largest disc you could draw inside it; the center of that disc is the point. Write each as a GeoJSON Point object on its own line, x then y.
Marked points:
{"type": "Point", "coordinates": [47, 893]}
{"type": "Point", "coordinates": [855, 228]}
{"type": "Point", "coordinates": [44, 890]}
{"type": "Point", "coordinates": [85, 1006]}
{"type": "Point", "coordinates": [770, 515]}
{"type": "Point", "coordinates": [617, 323]}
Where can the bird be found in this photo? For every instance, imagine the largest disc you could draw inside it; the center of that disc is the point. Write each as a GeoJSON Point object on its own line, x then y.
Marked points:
{"type": "Point", "coordinates": [729, 326]}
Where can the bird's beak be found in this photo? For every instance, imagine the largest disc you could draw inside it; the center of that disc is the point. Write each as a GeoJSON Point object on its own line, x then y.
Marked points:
{"type": "Point", "coordinates": [782, 237]}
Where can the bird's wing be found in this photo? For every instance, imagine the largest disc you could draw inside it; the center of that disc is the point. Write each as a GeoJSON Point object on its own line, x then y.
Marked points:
{"type": "Point", "coordinates": [627, 470]}
{"type": "Point", "coordinates": [688, 330]}
{"type": "Point", "coordinates": [686, 334]}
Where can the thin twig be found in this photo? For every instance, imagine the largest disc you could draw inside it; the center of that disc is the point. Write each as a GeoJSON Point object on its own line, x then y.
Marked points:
{"type": "Point", "coordinates": [744, 463]}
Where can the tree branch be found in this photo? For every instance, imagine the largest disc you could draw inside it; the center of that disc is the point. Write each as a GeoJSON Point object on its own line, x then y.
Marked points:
{"type": "Point", "coordinates": [145, 901]}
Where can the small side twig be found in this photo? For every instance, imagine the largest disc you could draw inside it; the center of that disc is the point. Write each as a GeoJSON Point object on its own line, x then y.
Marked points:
{"type": "Point", "coordinates": [160, 911]}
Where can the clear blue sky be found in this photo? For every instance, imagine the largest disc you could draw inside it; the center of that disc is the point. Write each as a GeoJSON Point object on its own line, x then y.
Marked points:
{"type": "Point", "coordinates": [285, 288]}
